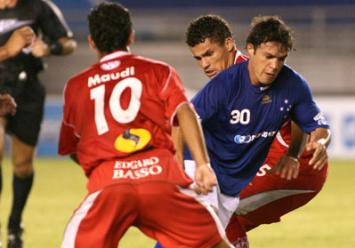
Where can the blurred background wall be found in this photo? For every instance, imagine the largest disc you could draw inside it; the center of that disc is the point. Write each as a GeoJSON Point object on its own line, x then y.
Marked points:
{"type": "Point", "coordinates": [324, 55]}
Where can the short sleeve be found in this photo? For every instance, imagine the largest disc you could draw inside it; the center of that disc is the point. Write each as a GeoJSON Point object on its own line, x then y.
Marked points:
{"type": "Point", "coordinates": [52, 22]}
{"type": "Point", "coordinates": [68, 139]}
{"type": "Point", "coordinates": [208, 100]}
{"type": "Point", "coordinates": [306, 112]}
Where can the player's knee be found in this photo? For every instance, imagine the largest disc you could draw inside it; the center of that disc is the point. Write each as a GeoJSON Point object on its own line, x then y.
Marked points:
{"type": "Point", "coordinates": [23, 167]}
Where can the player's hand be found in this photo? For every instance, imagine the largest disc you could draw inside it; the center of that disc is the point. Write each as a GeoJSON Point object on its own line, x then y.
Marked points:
{"type": "Point", "coordinates": [7, 105]}
{"type": "Point", "coordinates": [7, 4]}
{"type": "Point", "coordinates": [205, 179]}
{"type": "Point", "coordinates": [320, 155]}
{"type": "Point", "coordinates": [287, 167]}
{"type": "Point", "coordinates": [19, 39]}
{"type": "Point", "coordinates": [40, 48]}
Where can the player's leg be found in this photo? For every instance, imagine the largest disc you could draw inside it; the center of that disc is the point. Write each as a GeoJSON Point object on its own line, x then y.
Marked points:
{"type": "Point", "coordinates": [22, 158]}
{"type": "Point", "coordinates": [2, 144]}
{"type": "Point", "coordinates": [24, 127]}
{"type": "Point", "coordinates": [236, 233]}
{"type": "Point", "coordinates": [2, 147]}
{"type": "Point", "coordinates": [102, 218]}
{"type": "Point", "coordinates": [269, 197]}
{"type": "Point", "coordinates": [176, 219]}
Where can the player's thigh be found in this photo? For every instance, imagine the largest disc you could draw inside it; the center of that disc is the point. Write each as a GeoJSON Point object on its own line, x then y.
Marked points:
{"type": "Point", "coordinates": [273, 211]}
{"type": "Point", "coordinates": [102, 218]}
{"type": "Point", "coordinates": [177, 219]}
{"type": "Point", "coordinates": [26, 123]}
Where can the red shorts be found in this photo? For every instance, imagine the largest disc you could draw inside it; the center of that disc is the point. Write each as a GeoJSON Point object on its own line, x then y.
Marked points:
{"type": "Point", "coordinates": [268, 196]}
{"type": "Point", "coordinates": [122, 194]}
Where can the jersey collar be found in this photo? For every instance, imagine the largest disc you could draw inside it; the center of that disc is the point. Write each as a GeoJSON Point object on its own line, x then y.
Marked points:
{"type": "Point", "coordinates": [114, 55]}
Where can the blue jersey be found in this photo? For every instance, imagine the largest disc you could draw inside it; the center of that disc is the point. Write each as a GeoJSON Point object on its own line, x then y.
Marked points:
{"type": "Point", "coordinates": [240, 120]}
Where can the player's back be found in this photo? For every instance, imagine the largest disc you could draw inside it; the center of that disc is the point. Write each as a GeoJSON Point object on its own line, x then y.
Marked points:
{"type": "Point", "coordinates": [122, 105]}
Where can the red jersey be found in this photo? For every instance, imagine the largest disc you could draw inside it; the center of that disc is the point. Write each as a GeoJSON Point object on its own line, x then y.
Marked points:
{"type": "Point", "coordinates": [120, 105]}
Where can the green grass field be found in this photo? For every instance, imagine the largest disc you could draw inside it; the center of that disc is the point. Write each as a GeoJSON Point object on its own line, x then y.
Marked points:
{"type": "Point", "coordinates": [327, 221]}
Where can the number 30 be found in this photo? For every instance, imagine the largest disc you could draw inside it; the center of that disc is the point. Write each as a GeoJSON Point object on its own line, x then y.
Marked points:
{"type": "Point", "coordinates": [242, 117]}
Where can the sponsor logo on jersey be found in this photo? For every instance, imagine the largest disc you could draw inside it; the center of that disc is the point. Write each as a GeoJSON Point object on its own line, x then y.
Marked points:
{"type": "Point", "coordinates": [137, 169]}
{"type": "Point", "coordinates": [132, 140]}
{"type": "Point", "coordinates": [266, 99]}
{"type": "Point", "coordinates": [320, 119]}
{"type": "Point", "coordinates": [108, 66]}
{"type": "Point", "coordinates": [245, 139]}
{"type": "Point", "coordinates": [8, 25]}
{"type": "Point", "coordinates": [103, 78]}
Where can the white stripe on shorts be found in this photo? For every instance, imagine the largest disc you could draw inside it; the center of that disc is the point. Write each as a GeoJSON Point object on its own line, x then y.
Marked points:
{"type": "Point", "coordinates": [73, 225]}
{"type": "Point", "coordinates": [210, 209]}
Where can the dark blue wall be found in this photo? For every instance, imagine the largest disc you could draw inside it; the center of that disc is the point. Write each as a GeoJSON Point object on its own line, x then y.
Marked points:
{"type": "Point", "coordinates": [202, 3]}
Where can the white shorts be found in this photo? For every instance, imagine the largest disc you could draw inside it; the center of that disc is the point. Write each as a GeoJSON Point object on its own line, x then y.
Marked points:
{"type": "Point", "coordinates": [224, 205]}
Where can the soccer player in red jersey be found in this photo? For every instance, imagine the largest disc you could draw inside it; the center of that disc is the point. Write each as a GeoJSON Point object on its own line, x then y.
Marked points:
{"type": "Point", "coordinates": [269, 195]}
{"type": "Point", "coordinates": [117, 121]}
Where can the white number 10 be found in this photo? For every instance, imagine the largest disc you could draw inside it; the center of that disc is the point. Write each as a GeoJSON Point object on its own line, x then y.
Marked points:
{"type": "Point", "coordinates": [118, 113]}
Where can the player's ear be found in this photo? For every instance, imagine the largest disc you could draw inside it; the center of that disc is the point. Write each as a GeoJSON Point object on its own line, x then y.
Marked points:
{"type": "Point", "coordinates": [131, 38]}
{"type": "Point", "coordinates": [91, 43]}
{"type": "Point", "coordinates": [229, 44]}
{"type": "Point", "coordinates": [250, 49]}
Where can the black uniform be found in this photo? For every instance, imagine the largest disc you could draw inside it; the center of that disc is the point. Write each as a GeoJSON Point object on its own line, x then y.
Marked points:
{"type": "Point", "coordinates": [18, 75]}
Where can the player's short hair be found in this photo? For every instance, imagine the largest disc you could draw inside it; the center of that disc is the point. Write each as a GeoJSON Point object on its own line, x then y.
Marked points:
{"type": "Point", "coordinates": [110, 26]}
{"type": "Point", "coordinates": [270, 28]}
{"type": "Point", "coordinates": [211, 27]}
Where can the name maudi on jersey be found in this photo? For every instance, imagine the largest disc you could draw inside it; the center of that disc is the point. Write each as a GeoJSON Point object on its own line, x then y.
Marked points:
{"type": "Point", "coordinates": [137, 169]}
{"type": "Point", "coordinates": [103, 78]}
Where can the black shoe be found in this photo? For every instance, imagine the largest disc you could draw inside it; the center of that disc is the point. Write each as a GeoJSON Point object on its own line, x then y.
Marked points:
{"type": "Point", "coordinates": [14, 238]}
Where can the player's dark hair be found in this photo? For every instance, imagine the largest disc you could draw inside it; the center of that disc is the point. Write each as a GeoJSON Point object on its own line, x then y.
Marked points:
{"type": "Point", "coordinates": [212, 27]}
{"type": "Point", "coordinates": [270, 28]}
{"type": "Point", "coordinates": [110, 26]}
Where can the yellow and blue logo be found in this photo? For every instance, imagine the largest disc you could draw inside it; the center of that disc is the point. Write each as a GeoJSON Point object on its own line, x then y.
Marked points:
{"type": "Point", "coordinates": [132, 140]}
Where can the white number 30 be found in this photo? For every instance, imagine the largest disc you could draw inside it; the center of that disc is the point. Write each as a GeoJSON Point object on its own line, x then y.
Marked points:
{"type": "Point", "coordinates": [118, 113]}
{"type": "Point", "coordinates": [242, 117]}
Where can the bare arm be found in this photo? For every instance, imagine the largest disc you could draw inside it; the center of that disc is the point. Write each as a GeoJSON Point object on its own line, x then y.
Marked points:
{"type": "Point", "coordinates": [19, 39]}
{"type": "Point", "coordinates": [288, 165]}
{"type": "Point", "coordinates": [7, 105]}
{"type": "Point", "coordinates": [63, 46]}
{"type": "Point", "coordinates": [299, 139]}
{"type": "Point", "coordinates": [192, 134]}
{"type": "Point", "coordinates": [317, 144]}
{"type": "Point", "coordinates": [178, 140]}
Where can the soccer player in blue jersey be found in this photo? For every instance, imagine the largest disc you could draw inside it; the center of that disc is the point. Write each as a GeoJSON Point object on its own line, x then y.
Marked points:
{"type": "Point", "coordinates": [243, 108]}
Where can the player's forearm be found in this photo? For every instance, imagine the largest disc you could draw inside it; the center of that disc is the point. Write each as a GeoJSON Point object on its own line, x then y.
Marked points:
{"type": "Point", "coordinates": [178, 140]}
{"type": "Point", "coordinates": [68, 45]}
{"type": "Point", "coordinates": [321, 135]}
{"type": "Point", "coordinates": [4, 54]}
{"type": "Point", "coordinates": [192, 134]}
{"type": "Point", "coordinates": [299, 139]}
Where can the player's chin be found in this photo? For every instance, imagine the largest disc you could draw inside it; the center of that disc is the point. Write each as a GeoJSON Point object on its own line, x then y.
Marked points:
{"type": "Point", "coordinates": [267, 80]}
{"type": "Point", "coordinates": [210, 74]}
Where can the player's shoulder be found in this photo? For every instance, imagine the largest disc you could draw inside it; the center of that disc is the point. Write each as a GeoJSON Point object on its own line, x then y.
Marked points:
{"type": "Point", "coordinates": [149, 64]}
{"type": "Point", "coordinates": [80, 79]}
{"type": "Point", "coordinates": [292, 75]}
{"type": "Point", "coordinates": [233, 74]}
{"type": "Point", "coordinates": [290, 79]}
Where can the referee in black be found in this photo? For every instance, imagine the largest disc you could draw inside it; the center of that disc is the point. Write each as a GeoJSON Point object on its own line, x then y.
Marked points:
{"type": "Point", "coordinates": [19, 78]}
